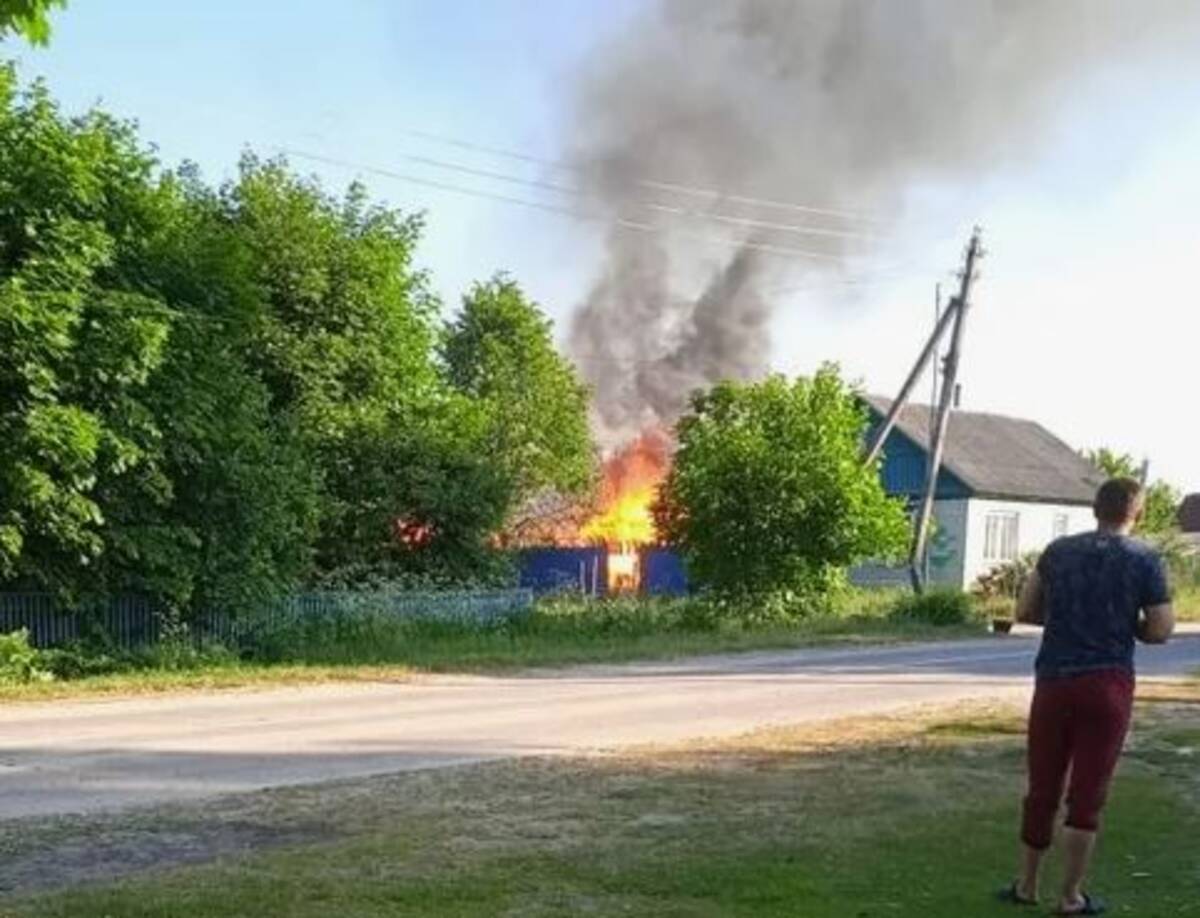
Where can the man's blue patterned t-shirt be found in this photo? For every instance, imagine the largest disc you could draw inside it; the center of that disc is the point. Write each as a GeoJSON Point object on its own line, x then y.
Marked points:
{"type": "Point", "coordinates": [1093, 586]}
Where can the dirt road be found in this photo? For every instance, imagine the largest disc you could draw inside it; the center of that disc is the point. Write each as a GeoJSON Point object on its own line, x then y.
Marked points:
{"type": "Point", "coordinates": [67, 757]}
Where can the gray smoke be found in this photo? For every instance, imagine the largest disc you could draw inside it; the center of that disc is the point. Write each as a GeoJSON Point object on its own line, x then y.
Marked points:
{"type": "Point", "coordinates": [843, 106]}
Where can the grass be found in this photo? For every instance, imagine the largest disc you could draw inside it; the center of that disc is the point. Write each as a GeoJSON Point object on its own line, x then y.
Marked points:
{"type": "Point", "coordinates": [1187, 603]}
{"type": "Point", "coordinates": [204, 678]}
{"type": "Point", "coordinates": [905, 816]}
{"type": "Point", "coordinates": [555, 634]}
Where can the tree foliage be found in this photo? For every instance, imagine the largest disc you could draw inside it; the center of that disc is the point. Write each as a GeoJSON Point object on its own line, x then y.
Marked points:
{"type": "Point", "coordinates": [213, 395]}
{"type": "Point", "coordinates": [79, 338]}
{"type": "Point", "coordinates": [768, 492]}
{"type": "Point", "coordinates": [139, 451]}
{"type": "Point", "coordinates": [344, 340]}
{"type": "Point", "coordinates": [29, 18]}
{"type": "Point", "coordinates": [1160, 515]}
{"type": "Point", "coordinates": [500, 351]}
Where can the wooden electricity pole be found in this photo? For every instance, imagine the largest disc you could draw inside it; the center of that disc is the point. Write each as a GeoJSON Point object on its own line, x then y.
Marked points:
{"type": "Point", "coordinates": [958, 308]}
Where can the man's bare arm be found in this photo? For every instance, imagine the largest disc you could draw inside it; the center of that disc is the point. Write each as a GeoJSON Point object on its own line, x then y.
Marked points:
{"type": "Point", "coordinates": [1030, 609]}
{"type": "Point", "coordinates": [1157, 624]}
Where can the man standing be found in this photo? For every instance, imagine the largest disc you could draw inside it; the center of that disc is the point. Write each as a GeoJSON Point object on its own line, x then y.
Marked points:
{"type": "Point", "coordinates": [1095, 593]}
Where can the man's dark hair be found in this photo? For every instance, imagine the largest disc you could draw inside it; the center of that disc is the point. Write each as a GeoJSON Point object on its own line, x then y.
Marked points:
{"type": "Point", "coordinates": [1118, 500]}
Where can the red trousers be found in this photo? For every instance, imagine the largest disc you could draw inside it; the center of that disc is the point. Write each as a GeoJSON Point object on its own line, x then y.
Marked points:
{"type": "Point", "coordinates": [1077, 724]}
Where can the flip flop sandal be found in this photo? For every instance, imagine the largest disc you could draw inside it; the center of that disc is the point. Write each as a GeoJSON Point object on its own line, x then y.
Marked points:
{"type": "Point", "coordinates": [1091, 906]}
{"type": "Point", "coordinates": [1011, 895]}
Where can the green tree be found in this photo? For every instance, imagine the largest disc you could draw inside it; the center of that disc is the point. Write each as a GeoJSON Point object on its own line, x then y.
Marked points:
{"type": "Point", "coordinates": [1162, 500]}
{"type": "Point", "coordinates": [500, 350]}
{"type": "Point", "coordinates": [768, 493]}
{"type": "Point", "coordinates": [78, 345]}
{"type": "Point", "coordinates": [344, 340]}
{"type": "Point", "coordinates": [137, 449]}
{"type": "Point", "coordinates": [237, 516]}
{"type": "Point", "coordinates": [29, 18]}
{"type": "Point", "coordinates": [210, 395]}
{"type": "Point", "coordinates": [345, 322]}
{"type": "Point", "coordinates": [414, 493]}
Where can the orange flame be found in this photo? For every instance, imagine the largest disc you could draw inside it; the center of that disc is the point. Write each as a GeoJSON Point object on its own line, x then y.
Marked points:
{"type": "Point", "coordinates": [631, 477]}
{"type": "Point", "coordinates": [627, 521]}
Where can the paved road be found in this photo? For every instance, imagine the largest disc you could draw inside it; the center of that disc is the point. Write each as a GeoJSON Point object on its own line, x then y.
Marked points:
{"type": "Point", "coordinates": [81, 756]}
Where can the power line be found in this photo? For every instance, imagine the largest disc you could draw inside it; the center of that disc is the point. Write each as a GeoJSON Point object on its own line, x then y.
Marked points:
{"type": "Point", "coordinates": [576, 191]}
{"type": "Point", "coordinates": [761, 224]}
{"type": "Point", "coordinates": [833, 285]}
{"type": "Point", "coordinates": [171, 314]}
{"type": "Point", "coordinates": [648, 183]}
{"type": "Point", "coordinates": [615, 220]}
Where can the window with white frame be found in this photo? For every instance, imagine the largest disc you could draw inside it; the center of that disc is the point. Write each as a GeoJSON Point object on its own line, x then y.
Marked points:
{"type": "Point", "coordinates": [1001, 536]}
{"type": "Point", "coordinates": [1062, 525]}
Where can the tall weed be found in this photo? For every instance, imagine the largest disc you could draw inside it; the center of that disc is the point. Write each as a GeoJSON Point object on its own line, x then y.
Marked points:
{"type": "Point", "coordinates": [20, 661]}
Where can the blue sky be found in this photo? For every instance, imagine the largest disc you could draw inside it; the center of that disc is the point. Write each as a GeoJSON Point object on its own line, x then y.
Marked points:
{"type": "Point", "coordinates": [1087, 317]}
{"type": "Point", "coordinates": [206, 80]}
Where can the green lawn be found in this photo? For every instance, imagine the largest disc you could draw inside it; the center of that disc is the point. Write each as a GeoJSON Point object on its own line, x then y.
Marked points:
{"type": "Point", "coordinates": [912, 816]}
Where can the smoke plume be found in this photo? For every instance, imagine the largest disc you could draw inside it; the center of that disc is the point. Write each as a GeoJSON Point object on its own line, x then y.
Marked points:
{"type": "Point", "coordinates": [842, 107]}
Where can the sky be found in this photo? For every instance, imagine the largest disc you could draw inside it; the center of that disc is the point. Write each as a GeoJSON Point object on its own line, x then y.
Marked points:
{"type": "Point", "coordinates": [1084, 315]}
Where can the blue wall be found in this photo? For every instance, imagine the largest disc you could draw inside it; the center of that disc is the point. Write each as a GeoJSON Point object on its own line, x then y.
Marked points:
{"type": "Point", "coordinates": [905, 466]}
{"type": "Point", "coordinates": [560, 570]}
{"type": "Point", "coordinates": [663, 573]}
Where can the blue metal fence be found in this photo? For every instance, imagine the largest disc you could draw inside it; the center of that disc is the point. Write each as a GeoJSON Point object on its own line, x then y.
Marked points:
{"type": "Point", "coordinates": [131, 621]}
{"type": "Point", "coordinates": [663, 573]}
{"type": "Point", "coordinates": [575, 569]}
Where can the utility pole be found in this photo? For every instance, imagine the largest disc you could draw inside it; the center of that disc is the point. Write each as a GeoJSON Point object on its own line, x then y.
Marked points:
{"type": "Point", "coordinates": [933, 399]}
{"type": "Point", "coordinates": [889, 420]}
{"type": "Point", "coordinates": [937, 315]}
{"type": "Point", "coordinates": [958, 307]}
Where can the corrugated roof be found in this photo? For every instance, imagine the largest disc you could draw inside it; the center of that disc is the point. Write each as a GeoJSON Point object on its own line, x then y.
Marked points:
{"type": "Point", "coordinates": [1003, 457]}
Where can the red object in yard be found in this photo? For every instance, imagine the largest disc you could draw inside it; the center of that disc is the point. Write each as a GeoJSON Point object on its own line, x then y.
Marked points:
{"type": "Point", "coordinates": [412, 534]}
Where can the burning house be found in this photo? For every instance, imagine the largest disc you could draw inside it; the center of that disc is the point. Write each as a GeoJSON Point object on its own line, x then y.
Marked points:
{"type": "Point", "coordinates": [613, 548]}
{"type": "Point", "coordinates": [625, 522]}
{"type": "Point", "coordinates": [740, 150]}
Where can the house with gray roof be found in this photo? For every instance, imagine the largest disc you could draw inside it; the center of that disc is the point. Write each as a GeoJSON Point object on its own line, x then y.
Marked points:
{"type": "Point", "coordinates": [1007, 486]}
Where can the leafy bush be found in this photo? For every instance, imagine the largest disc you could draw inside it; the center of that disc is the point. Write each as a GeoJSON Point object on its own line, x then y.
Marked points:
{"type": "Point", "coordinates": [78, 661]}
{"type": "Point", "coordinates": [625, 615]}
{"type": "Point", "coordinates": [937, 607]}
{"type": "Point", "coordinates": [1181, 558]}
{"type": "Point", "coordinates": [768, 495]}
{"type": "Point", "coordinates": [490, 569]}
{"type": "Point", "coordinates": [1006, 580]}
{"type": "Point", "coordinates": [180, 654]}
{"type": "Point", "coordinates": [374, 635]}
{"type": "Point", "coordinates": [781, 606]}
{"type": "Point", "coordinates": [1183, 564]}
{"type": "Point", "coordinates": [20, 662]}
{"type": "Point", "coordinates": [369, 637]}
{"type": "Point", "coordinates": [87, 660]}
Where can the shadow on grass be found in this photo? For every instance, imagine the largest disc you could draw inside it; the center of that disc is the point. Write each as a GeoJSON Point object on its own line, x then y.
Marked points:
{"type": "Point", "coordinates": [902, 816]}
{"type": "Point", "coordinates": [982, 729]}
{"type": "Point", "coordinates": [1170, 699]}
